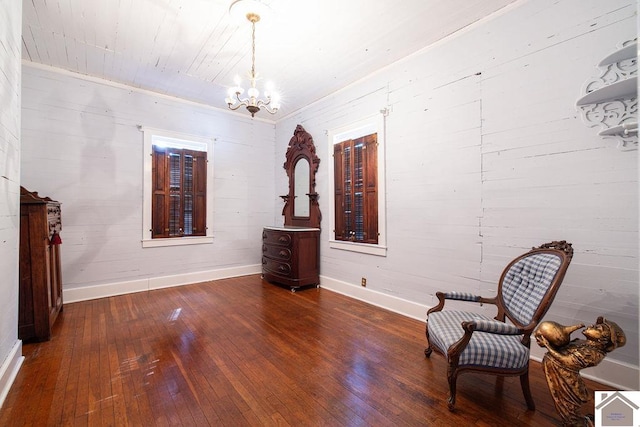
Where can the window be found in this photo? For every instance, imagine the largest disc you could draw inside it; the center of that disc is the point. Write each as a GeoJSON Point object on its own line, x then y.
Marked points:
{"type": "Point", "coordinates": [177, 198]}
{"type": "Point", "coordinates": [355, 171]}
{"type": "Point", "coordinates": [357, 189]}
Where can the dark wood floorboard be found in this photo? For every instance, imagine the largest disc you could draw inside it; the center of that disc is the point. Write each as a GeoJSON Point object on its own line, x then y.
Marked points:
{"type": "Point", "coordinates": [242, 352]}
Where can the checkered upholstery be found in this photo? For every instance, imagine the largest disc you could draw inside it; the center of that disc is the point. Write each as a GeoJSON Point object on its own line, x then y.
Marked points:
{"type": "Point", "coordinates": [484, 349]}
{"type": "Point", "coordinates": [527, 282]}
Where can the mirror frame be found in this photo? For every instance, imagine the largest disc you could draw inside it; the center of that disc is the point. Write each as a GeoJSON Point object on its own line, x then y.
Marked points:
{"type": "Point", "coordinates": [301, 146]}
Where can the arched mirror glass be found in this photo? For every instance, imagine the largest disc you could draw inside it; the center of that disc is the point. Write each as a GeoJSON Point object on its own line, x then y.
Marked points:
{"type": "Point", "coordinates": [301, 184]}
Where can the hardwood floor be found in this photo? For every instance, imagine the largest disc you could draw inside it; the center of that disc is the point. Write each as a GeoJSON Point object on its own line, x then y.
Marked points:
{"type": "Point", "coordinates": [244, 352]}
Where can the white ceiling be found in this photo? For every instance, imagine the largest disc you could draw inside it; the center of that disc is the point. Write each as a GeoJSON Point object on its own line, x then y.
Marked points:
{"type": "Point", "coordinates": [193, 49]}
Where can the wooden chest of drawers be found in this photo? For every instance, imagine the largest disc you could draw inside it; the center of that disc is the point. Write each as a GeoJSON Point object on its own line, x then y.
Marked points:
{"type": "Point", "coordinates": [290, 256]}
{"type": "Point", "coordinates": [40, 296]}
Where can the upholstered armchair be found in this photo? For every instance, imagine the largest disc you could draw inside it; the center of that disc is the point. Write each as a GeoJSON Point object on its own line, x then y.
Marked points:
{"type": "Point", "coordinates": [500, 345]}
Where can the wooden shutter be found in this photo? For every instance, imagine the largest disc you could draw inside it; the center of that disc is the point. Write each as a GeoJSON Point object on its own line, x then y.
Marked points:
{"type": "Point", "coordinates": [187, 192]}
{"type": "Point", "coordinates": [175, 209]}
{"type": "Point", "coordinates": [160, 190]}
{"type": "Point", "coordinates": [370, 155]}
{"type": "Point", "coordinates": [179, 181]}
{"type": "Point", "coordinates": [338, 179]}
{"type": "Point", "coordinates": [199, 193]}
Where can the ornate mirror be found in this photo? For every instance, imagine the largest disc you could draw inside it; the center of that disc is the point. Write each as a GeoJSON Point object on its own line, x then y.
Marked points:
{"type": "Point", "coordinates": [301, 207]}
{"type": "Point", "coordinates": [301, 185]}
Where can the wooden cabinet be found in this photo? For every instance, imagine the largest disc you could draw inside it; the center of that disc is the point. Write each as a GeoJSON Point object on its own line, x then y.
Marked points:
{"type": "Point", "coordinates": [290, 256]}
{"type": "Point", "coordinates": [40, 298]}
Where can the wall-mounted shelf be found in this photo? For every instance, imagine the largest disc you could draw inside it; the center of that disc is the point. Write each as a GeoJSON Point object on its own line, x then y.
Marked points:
{"type": "Point", "coordinates": [627, 52]}
{"type": "Point", "coordinates": [623, 129]}
{"type": "Point", "coordinates": [622, 89]}
{"type": "Point", "coordinates": [610, 100]}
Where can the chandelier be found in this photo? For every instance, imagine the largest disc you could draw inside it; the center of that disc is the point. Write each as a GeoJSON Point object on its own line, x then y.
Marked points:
{"type": "Point", "coordinates": [252, 102]}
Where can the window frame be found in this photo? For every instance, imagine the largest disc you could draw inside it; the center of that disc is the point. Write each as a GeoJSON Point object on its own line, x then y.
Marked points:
{"type": "Point", "coordinates": [186, 184]}
{"type": "Point", "coordinates": [367, 126]}
{"type": "Point", "coordinates": [357, 189]}
{"type": "Point", "coordinates": [179, 140]}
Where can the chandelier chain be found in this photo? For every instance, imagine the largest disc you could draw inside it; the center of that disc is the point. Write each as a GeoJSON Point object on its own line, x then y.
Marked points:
{"type": "Point", "coordinates": [253, 53]}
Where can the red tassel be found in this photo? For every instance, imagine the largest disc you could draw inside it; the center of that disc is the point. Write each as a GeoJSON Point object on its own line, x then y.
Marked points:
{"type": "Point", "coordinates": [55, 239]}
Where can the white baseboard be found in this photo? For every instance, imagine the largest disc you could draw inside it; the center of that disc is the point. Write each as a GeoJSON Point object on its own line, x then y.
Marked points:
{"type": "Point", "coordinates": [132, 286]}
{"type": "Point", "coordinates": [9, 369]}
{"type": "Point", "coordinates": [379, 299]}
{"type": "Point", "coordinates": [613, 373]}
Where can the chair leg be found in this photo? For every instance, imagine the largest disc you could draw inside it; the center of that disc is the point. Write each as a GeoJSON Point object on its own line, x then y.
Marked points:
{"type": "Point", "coordinates": [428, 350]}
{"type": "Point", "coordinates": [452, 376]}
{"type": "Point", "coordinates": [524, 382]}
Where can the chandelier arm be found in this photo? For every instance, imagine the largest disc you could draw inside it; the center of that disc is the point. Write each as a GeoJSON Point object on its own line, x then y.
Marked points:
{"type": "Point", "coordinates": [241, 101]}
{"type": "Point", "coordinates": [263, 102]}
{"type": "Point", "coordinates": [266, 105]}
{"type": "Point", "coordinates": [234, 107]}
{"type": "Point", "coordinates": [270, 110]}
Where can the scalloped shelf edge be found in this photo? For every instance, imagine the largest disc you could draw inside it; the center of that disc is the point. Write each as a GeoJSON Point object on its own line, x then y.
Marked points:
{"type": "Point", "coordinates": [627, 52]}
{"type": "Point", "coordinates": [622, 89]}
{"type": "Point", "coordinates": [625, 129]}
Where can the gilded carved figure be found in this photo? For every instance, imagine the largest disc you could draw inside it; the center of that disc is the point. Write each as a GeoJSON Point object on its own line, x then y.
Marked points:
{"type": "Point", "coordinates": [565, 358]}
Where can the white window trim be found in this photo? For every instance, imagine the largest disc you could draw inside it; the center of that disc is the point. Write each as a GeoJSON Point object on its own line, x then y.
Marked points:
{"type": "Point", "coordinates": [374, 124]}
{"type": "Point", "coordinates": [179, 140]}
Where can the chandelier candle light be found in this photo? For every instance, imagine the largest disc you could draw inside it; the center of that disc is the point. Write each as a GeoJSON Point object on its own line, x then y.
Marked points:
{"type": "Point", "coordinates": [252, 102]}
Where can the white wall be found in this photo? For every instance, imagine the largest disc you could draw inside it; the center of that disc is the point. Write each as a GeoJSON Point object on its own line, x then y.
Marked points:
{"type": "Point", "coordinates": [487, 156]}
{"type": "Point", "coordinates": [10, 347]}
{"type": "Point", "coordinates": [81, 146]}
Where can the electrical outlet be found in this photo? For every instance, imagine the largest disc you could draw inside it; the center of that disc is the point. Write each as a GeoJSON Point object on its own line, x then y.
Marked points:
{"type": "Point", "coordinates": [364, 281]}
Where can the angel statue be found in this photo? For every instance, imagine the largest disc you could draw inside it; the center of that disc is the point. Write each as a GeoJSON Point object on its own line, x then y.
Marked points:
{"type": "Point", "coordinates": [565, 358]}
